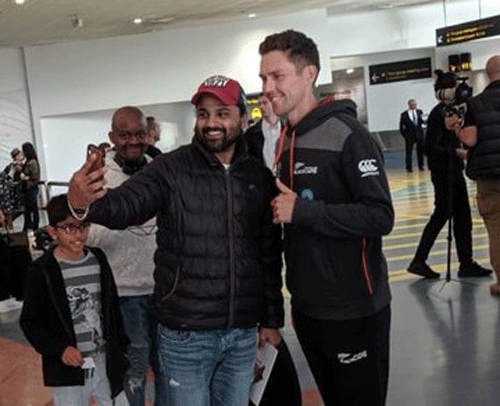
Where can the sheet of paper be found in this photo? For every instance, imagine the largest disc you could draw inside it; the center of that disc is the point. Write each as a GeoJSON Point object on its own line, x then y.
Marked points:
{"type": "Point", "coordinates": [88, 363]}
{"type": "Point", "coordinates": [266, 356]}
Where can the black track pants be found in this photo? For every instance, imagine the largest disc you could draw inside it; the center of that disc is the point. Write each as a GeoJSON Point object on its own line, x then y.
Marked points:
{"type": "Point", "coordinates": [349, 359]}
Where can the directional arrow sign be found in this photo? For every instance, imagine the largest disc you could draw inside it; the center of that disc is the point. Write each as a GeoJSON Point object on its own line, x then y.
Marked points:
{"type": "Point", "coordinates": [402, 70]}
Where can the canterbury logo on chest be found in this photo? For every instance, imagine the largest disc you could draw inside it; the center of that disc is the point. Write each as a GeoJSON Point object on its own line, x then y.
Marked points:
{"type": "Point", "coordinates": [367, 167]}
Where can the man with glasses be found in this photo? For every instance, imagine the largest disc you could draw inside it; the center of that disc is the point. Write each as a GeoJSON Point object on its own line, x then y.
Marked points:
{"type": "Point", "coordinates": [130, 254]}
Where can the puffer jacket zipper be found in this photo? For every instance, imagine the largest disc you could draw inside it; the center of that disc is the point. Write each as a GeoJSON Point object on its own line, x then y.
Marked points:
{"type": "Point", "coordinates": [232, 270]}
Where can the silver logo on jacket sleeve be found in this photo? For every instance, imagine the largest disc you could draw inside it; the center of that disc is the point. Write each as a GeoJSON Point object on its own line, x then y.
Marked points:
{"type": "Point", "coordinates": [367, 167]}
{"type": "Point", "coordinates": [347, 358]}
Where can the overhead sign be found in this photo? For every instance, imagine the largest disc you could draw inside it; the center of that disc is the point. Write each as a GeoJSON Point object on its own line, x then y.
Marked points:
{"type": "Point", "coordinates": [252, 102]}
{"type": "Point", "coordinates": [455, 34]}
{"type": "Point", "coordinates": [398, 71]}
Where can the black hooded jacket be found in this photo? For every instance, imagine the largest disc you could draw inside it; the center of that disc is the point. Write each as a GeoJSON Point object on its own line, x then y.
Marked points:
{"type": "Point", "coordinates": [333, 246]}
{"type": "Point", "coordinates": [47, 324]}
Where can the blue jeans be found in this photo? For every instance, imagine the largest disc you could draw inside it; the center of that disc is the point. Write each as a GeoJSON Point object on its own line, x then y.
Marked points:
{"type": "Point", "coordinates": [207, 368]}
{"type": "Point", "coordinates": [96, 386]}
{"type": "Point", "coordinates": [141, 325]}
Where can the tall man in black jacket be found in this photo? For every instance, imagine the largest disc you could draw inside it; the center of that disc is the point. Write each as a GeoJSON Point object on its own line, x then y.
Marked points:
{"type": "Point", "coordinates": [481, 130]}
{"type": "Point", "coordinates": [218, 259]}
{"type": "Point", "coordinates": [410, 127]}
{"type": "Point", "coordinates": [335, 208]}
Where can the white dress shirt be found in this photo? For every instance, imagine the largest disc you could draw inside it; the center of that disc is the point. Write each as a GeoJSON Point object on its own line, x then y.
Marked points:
{"type": "Point", "coordinates": [271, 134]}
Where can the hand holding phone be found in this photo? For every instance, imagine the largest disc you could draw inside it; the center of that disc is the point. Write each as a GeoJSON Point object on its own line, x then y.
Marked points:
{"type": "Point", "coordinates": [87, 184]}
{"type": "Point", "coordinates": [100, 152]}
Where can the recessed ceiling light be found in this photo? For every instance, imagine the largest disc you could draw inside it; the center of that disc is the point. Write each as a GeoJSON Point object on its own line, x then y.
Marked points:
{"type": "Point", "coordinates": [349, 71]}
{"type": "Point", "coordinates": [138, 20]}
{"type": "Point", "coordinates": [19, 1]}
{"type": "Point", "coordinates": [388, 6]}
{"type": "Point", "coordinates": [252, 15]}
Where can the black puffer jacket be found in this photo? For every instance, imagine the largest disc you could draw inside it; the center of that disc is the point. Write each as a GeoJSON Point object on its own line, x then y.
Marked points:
{"type": "Point", "coordinates": [218, 257]}
{"type": "Point", "coordinates": [484, 159]}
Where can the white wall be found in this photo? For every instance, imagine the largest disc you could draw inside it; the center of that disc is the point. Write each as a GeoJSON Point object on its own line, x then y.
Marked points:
{"type": "Point", "coordinates": [151, 68]}
{"type": "Point", "coordinates": [15, 125]}
{"type": "Point", "coordinates": [386, 101]}
{"type": "Point", "coordinates": [65, 137]}
{"type": "Point", "coordinates": [167, 66]}
{"type": "Point", "coordinates": [404, 33]}
{"type": "Point", "coordinates": [480, 52]}
{"type": "Point", "coordinates": [179, 115]}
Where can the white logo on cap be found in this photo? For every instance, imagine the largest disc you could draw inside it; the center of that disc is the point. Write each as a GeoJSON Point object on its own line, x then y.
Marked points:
{"type": "Point", "coordinates": [216, 81]}
{"type": "Point", "coordinates": [368, 168]}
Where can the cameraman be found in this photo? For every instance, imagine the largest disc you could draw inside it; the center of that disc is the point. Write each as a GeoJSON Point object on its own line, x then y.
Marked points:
{"type": "Point", "coordinates": [481, 130]}
{"type": "Point", "coordinates": [445, 158]}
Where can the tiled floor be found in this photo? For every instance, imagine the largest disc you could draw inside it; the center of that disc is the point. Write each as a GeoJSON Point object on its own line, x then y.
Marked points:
{"type": "Point", "coordinates": [21, 376]}
{"type": "Point", "coordinates": [445, 335]}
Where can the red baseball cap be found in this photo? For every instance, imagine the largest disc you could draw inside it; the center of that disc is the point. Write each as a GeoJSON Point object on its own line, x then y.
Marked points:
{"type": "Point", "coordinates": [227, 90]}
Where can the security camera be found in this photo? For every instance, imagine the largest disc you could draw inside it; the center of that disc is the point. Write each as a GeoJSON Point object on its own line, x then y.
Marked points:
{"type": "Point", "coordinates": [77, 22]}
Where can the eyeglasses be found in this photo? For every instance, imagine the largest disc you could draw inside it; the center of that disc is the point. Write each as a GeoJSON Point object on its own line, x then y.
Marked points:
{"type": "Point", "coordinates": [73, 228]}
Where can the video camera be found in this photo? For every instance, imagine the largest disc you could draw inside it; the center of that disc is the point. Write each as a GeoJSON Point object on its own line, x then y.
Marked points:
{"type": "Point", "coordinates": [463, 91]}
{"type": "Point", "coordinates": [455, 98]}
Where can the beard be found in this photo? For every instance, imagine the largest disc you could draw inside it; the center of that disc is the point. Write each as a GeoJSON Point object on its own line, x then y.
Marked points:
{"type": "Point", "coordinates": [229, 137]}
{"type": "Point", "coordinates": [131, 165]}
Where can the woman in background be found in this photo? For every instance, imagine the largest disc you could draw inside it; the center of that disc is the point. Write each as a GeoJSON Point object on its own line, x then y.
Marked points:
{"type": "Point", "coordinates": [30, 177]}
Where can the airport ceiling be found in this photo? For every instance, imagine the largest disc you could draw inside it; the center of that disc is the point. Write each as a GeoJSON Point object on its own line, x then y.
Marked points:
{"type": "Point", "coordinates": [40, 22]}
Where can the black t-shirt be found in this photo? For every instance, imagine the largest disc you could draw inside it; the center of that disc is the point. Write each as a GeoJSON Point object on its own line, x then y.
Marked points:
{"type": "Point", "coordinates": [440, 143]}
{"type": "Point", "coordinates": [469, 117]}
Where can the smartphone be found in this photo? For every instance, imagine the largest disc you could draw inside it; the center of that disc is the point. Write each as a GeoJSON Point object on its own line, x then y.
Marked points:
{"type": "Point", "coordinates": [99, 162]}
{"type": "Point", "coordinates": [101, 154]}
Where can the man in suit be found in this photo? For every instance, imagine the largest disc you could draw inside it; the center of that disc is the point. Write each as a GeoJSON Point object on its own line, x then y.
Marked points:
{"type": "Point", "coordinates": [410, 127]}
{"type": "Point", "coordinates": [261, 138]}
